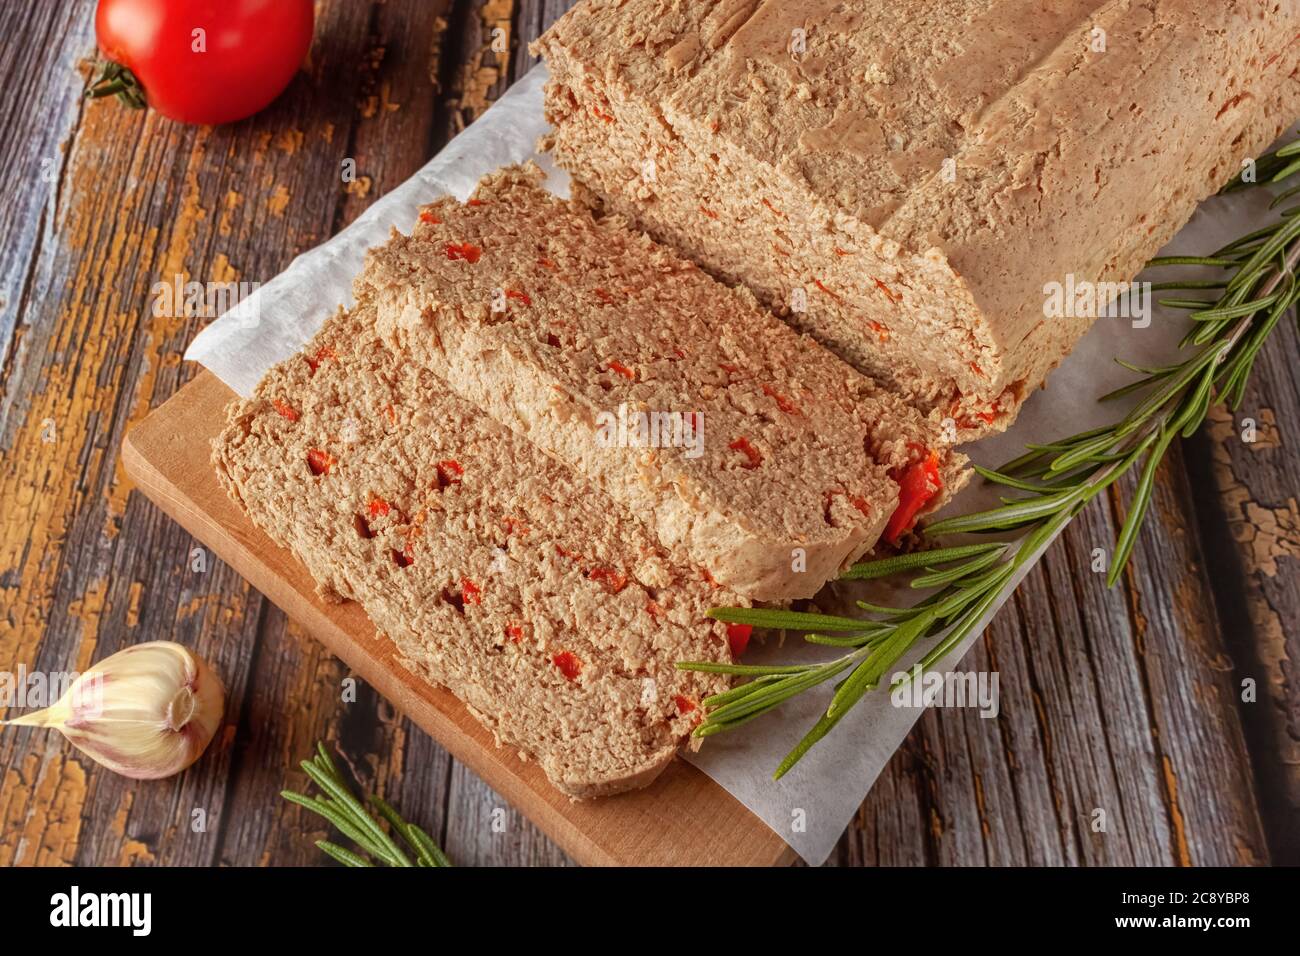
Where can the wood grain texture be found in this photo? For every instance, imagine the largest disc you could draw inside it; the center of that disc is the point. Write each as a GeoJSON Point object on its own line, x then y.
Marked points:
{"type": "Point", "coordinates": [1127, 701]}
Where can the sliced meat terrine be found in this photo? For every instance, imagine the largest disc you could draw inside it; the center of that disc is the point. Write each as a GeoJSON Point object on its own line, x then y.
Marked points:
{"type": "Point", "coordinates": [784, 465]}
{"type": "Point", "coordinates": [495, 571]}
{"type": "Point", "coordinates": [906, 181]}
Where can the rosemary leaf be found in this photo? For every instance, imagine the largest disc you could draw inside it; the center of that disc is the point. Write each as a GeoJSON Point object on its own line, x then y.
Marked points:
{"type": "Point", "coordinates": [351, 817]}
{"type": "Point", "coordinates": [1191, 261]}
{"type": "Point", "coordinates": [1137, 509]}
{"type": "Point", "coordinates": [940, 578]}
{"type": "Point", "coordinates": [717, 667]}
{"type": "Point", "coordinates": [887, 567]}
{"type": "Point", "coordinates": [740, 690]}
{"type": "Point", "coordinates": [867, 674]}
{"type": "Point", "coordinates": [344, 797]}
{"type": "Point", "coordinates": [1236, 311]}
{"type": "Point", "coordinates": [346, 857]}
{"type": "Point", "coordinates": [1005, 517]}
{"type": "Point", "coordinates": [784, 620]}
{"type": "Point", "coordinates": [827, 640]}
{"type": "Point", "coordinates": [341, 821]}
{"type": "Point", "coordinates": [818, 731]}
{"type": "Point", "coordinates": [781, 690]}
{"type": "Point", "coordinates": [962, 628]}
{"type": "Point", "coordinates": [988, 474]}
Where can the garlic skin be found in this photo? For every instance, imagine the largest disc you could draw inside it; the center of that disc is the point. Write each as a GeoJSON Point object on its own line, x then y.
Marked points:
{"type": "Point", "coordinates": [146, 712]}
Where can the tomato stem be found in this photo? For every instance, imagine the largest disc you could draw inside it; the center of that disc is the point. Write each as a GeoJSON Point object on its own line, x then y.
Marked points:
{"type": "Point", "coordinates": [116, 80]}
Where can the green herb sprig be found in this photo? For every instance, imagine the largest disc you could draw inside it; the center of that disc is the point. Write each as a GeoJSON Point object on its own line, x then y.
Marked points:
{"type": "Point", "coordinates": [350, 816]}
{"type": "Point", "coordinates": [1048, 486]}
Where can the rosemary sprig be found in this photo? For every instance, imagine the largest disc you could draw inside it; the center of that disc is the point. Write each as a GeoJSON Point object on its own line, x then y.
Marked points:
{"type": "Point", "coordinates": [350, 817]}
{"type": "Point", "coordinates": [1053, 482]}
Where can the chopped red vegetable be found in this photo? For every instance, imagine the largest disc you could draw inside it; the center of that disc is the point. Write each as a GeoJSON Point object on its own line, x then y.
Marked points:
{"type": "Point", "coordinates": [621, 369]}
{"type": "Point", "coordinates": [818, 284]}
{"type": "Point", "coordinates": [521, 296]}
{"type": "Point", "coordinates": [889, 293]}
{"type": "Point", "coordinates": [378, 507]}
{"type": "Point", "coordinates": [322, 354]}
{"type": "Point", "coordinates": [449, 472]}
{"type": "Point", "coordinates": [320, 461]}
{"type": "Point", "coordinates": [569, 665]}
{"type": "Point", "coordinates": [463, 250]}
{"type": "Point", "coordinates": [684, 704]}
{"type": "Point", "coordinates": [430, 218]}
{"type": "Point", "coordinates": [738, 638]}
{"type": "Point", "coordinates": [917, 486]}
{"type": "Point", "coordinates": [470, 592]}
{"type": "Point", "coordinates": [515, 632]}
{"type": "Point", "coordinates": [742, 445]}
{"type": "Point", "coordinates": [285, 409]}
{"type": "Point", "coordinates": [783, 403]}
{"type": "Point", "coordinates": [614, 581]}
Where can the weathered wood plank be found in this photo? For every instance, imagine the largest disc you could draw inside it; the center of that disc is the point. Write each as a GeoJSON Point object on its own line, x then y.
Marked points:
{"type": "Point", "coordinates": [1209, 790]}
{"type": "Point", "coordinates": [42, 103]}
{"type": "Point", "coordinates": [1246, 499]}
{"type": "Point", "coordinates": [485, 830]}
{"type": "Point", "coordinates": [85, 569]}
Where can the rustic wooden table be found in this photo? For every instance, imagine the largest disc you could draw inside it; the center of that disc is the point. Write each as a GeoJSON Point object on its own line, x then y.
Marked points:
{"type": "Point", "coordinates": [1128, 701]}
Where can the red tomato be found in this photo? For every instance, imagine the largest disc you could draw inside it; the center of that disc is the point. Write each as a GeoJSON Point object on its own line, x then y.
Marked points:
{"type": "Point", "coordinates": [202, 61]}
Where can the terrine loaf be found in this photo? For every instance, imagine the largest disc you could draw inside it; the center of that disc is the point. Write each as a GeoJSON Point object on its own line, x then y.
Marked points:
{"type": "Point", "coordinates": [494, 570]}
{"type": "Point", "coordinates": [747, 448]}
{"type": "Point", "coordinates": [909, 181]}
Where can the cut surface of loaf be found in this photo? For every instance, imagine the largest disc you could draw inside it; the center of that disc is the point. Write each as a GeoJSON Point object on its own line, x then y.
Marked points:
{"type": "Point", "coordinates": [494, 570]}
{"type": "Point", "coordinates": [749, 449]}
{"type": "Point", "coordinates": [906, 181]}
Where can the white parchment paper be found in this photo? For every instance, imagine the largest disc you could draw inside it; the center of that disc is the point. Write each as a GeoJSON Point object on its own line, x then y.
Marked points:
{"type": "Point", "coordinates": [811, 805]}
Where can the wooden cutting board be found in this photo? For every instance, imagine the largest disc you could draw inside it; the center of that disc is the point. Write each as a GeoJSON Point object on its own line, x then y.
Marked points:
{"type": "Point", "coordinates": [683, 819]}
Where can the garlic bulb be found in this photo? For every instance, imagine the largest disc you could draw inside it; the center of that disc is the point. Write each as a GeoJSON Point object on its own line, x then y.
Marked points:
{"type": "Point", "coordinates": [146, 712]}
